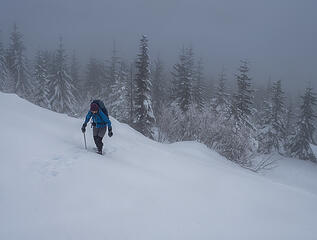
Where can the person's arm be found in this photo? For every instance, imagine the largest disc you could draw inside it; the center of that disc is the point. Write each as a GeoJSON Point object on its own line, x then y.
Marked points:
{"type": "Point", "coordinates": [88, 116]}
{"type": "Point", "coordinates": [105, 119]}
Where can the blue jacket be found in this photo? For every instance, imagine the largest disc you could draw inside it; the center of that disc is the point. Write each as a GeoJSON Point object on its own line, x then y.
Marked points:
{"type": "Point", "coordinates": [99, 118]}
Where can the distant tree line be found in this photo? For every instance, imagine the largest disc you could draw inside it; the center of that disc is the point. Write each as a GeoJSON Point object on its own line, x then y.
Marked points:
{"type": "Point", "coordinates": [238, 121]}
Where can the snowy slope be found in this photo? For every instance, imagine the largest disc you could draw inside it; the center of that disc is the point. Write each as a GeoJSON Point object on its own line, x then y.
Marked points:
{"type": "Point", "coordinates": [52, 188]}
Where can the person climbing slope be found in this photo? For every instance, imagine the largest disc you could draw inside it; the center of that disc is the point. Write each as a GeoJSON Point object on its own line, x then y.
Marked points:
{"type": "Point", "coordinates": [100, 118]}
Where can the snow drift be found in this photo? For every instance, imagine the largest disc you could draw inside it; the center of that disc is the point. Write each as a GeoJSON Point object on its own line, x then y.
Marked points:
{"type": "Point", "coordinates": [52, 188]}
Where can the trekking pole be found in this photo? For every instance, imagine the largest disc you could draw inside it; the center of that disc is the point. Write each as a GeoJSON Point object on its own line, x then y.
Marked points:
{"type": "Point", "coordinates": [85, 141]}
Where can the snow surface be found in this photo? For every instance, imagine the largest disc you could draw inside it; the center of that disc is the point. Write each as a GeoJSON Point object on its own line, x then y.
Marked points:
{"type": "Point", "coordinates": [52, 188]}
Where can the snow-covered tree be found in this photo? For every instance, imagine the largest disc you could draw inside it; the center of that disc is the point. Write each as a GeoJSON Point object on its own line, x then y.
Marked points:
{"type": "Point", "coordinates": [241, 107]}
{"type": "Point", "coordinates": [198, 86]}
{"type": "Point", "coordinates": [158, 82]}
{"type": "Point", "coordinates": [74, 69]}
{"type": "Point", "coordinates": [114, 66]}
{"type": "Point", "coordinates": [41, 73]}
{"type": "Point", "coordinates": [290, 120]}
{"type": "Point", "coordinates": [183, 80]}
{"type": "Point", "coordinates": [119, 103]}
{"type": "Point", "coordinates": [4, 73]}
{"type": "Point", "coordinates": [235, 130]}
{"type": "Point", "coordinates": [236, 146]}
{"type": "Point", "coordinates": [272, 132]}
{"type": "Point", "coordinates": [61, 89]}
{"type": "Point", "coordinates": [112, 74]}
{"type": "Point", "coordinates": [144, 119]}
{"type": "Point", "coordinates": [210, 90]}
{"type": "Point", "coordinates": [166, 125]}
{"type": "Point", "coordinates": [17, 64]}
{"type": "Point", "coordinates": [268, 90]}
{"type": "Point", "coordinates": [220, 103]}
{"type": "Point", "coordinates": [95, 76]}
{"type": "Point", "coordinates": [299, 145]}
{"type": "Point", "coordinates": [76, 81]}
{"type": "Point", "coordinates": [131, 87]}
{"type": "Point", "coordinates": [75, 72]}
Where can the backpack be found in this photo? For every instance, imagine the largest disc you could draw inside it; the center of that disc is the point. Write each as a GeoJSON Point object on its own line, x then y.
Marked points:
{"type": "Point", "coordinates": [101, 106]}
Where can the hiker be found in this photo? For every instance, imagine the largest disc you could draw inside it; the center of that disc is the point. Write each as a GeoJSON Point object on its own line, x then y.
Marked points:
{"type": "Point", "coordinates": [100, 122]}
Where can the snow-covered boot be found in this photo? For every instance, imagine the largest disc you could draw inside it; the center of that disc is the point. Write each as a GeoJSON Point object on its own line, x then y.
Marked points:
{"type": "Point", "coordinates": [99, 144]}
{"type": "Point", "coordinates": [99, 151]}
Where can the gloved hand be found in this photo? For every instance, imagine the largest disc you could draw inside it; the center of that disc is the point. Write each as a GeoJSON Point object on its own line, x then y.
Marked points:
{"type": "Point", "coordinates": [110, 133]}
{"type": "Point", "coordinates": [94, 124]}
{"type": "Point", "coordinates": [83, 128]}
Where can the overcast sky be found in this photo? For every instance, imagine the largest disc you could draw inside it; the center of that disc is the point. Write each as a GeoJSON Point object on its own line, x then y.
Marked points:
{"type": "Point", "coordinates": [278, 37]}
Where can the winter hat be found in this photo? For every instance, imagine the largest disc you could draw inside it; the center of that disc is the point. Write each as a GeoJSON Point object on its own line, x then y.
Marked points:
{"type": "Point", "coordinates": [94, 107]}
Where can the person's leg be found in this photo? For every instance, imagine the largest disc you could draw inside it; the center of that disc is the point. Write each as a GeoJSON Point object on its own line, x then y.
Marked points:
{"type": "Point", "coordinates": [101, 134]}
{"type": "Point", "coordinates": [96, 137]}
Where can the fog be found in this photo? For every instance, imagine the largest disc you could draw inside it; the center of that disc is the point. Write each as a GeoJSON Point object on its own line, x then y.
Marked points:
{"type": "Point", "coordinates": [277, 37]}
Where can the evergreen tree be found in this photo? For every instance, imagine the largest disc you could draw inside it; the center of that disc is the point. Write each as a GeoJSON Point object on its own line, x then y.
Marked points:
{"type": "Point", "coordinates": [198, 87]}
{"type": "Point", "coordinates": [308, 116]}
{"type": "Point", "coordinates": [221, 101]}
{"type": "Point", "coordinates": [290, 116]}
{"type": "Point", "coordinates": [4, 74]}
{"type": "Point", "coordinates": [278, 107]}
{"type": "Point", "coordinates": [272, 132]}
{"type": "Point", "coordinates": [114, 66]}
{"type": "Point", "coordinates": [221, 95]}
{"type": "Point", "coordinates": [143, 102]}
{"type": "Point", "coordinates": [299, 145]}
{"type": "Point", "coordinates": [74, 70]}
{"type": "Point", "coordinates": [17, 65]}
{"type": "Point", "coordinates": [94, 79]}
{"type": "Point", "coordinates": [76, 81]}
{"type": "Point", "coordinates": [236, 138]}
{"type": "Point", "coordinates": [210, 91]}
{"type": "Point", "coordinates": [241, 107]}
{"type": "Point", "coordinates": [112, 75]}
{"type": "Point", "coordinates": [268, 90]}
{"type": "Point", "coordinates": [61, 88]}
{"type": "Point", "coordinates": [278, 115]}
{"type": "Point", "coordinates": [158, 94]}
{"type": "Point", "coordinates": [131, 86]}
{"type": "Point", "coordinates": [41, 73]}
{"type": "Point", "coordinates": [182, 82]}
{"type": "Point", "coordinates": [259, 97]}
{"type": "Point", "coordinates": [119, 97]}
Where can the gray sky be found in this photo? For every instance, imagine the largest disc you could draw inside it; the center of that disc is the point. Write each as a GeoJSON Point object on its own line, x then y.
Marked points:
{"type": "Point", "coordinates": [278, 37]}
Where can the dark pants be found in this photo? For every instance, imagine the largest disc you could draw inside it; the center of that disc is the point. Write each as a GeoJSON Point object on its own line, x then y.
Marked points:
{"type": "Point", "coordinates": [99, 133]}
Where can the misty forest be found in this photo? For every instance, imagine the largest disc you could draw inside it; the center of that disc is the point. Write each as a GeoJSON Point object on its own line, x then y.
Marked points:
{"type": "Point", "coordinates": [230, 113]}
